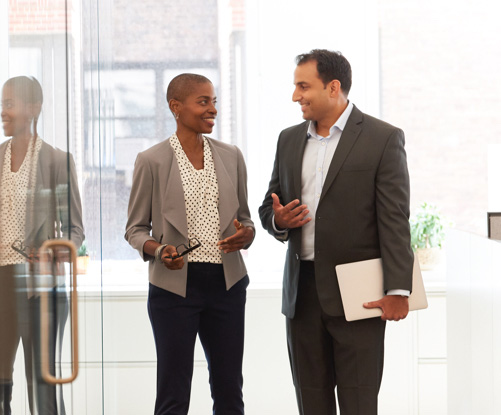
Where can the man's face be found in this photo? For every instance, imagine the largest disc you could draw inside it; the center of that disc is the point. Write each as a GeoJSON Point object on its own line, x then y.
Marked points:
{"type": "Point", "coordinates": [311, 93]}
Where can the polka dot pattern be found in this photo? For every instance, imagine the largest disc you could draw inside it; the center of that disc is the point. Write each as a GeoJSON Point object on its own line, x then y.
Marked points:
{"type": "Point", "coordinates": [14, 188]}
{"type": "Point", "coordinates": [201, 198]}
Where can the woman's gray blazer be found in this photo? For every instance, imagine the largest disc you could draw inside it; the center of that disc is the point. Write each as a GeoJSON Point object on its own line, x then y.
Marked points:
{"type": "Point", "coordinates": [57, 208]}
{"type": "Point", "coordinates": [157, 209]}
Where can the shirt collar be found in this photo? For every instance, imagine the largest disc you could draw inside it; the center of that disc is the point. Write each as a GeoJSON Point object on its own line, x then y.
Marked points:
{"type": "Point", "coordinates": [339, 124]}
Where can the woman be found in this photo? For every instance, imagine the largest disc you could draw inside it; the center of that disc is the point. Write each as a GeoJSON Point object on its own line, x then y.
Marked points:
{"type": "Point", "coordinates": [189, 189]}
{"type": "Point", "coordinates": [34, 196]}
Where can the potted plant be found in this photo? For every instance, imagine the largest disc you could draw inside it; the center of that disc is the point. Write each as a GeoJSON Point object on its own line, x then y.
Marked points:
{"type": "Point", "coordinates": [83, 258]}
{"type": "Point", "coordinates": [427, 235]}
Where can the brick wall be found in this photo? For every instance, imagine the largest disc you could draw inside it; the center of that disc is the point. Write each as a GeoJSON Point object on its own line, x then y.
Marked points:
{"type": "Point", "coordinates": [238, 14]}
{"type": "Point", "coordinates": [38, 16]}
{"type": "Point", "coordinates": [153, 31]}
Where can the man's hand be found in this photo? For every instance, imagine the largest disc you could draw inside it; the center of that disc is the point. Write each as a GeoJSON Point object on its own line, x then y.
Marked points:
{"type": "Point", "coordinates": [242, 237]}
{"type": "Point", "coordinates": [171, 259]}
{"type": "Point", "coordinates": [291, 215]}
{"type": "Point", "coordinates": [395, 307]}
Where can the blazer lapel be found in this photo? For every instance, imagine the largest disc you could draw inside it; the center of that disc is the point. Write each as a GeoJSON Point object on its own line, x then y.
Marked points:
{"type": "Point", "coordinates": [40, 203]}
{"type": "Point", "coordinates": [175, 209]}
{"type": "Point", "coordinates": [346, 142]}
{"type": "Point", "coordinates": [297, 165]}
{"type": "Point", "coordinates": [3, 148]}
{"type": "Point", "coordinates": [228, 204]}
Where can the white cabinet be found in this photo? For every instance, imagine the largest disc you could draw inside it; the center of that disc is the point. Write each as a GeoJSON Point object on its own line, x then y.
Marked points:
{"type": "Point", "coordinates": [414, 380]}
{"type": "Point", "coordinates": [474, 324]}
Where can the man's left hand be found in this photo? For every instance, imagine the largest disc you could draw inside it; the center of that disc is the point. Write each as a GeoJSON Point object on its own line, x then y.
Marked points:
{"type": "Point", "coordinates": [395, 307]}
{"type": "Point", "coordinates": [242, 237]}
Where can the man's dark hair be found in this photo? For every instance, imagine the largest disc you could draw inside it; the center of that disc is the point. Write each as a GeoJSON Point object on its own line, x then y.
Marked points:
{"type": "Point", "coordinates": [182, 85]}
{"type": "Point", "coordinates": [330, 65]}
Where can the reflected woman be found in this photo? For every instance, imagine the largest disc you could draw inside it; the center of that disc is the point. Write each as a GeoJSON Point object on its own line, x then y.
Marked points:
{"type": "Point", "coordinates": [36, 196]}
{"type": "Point", "coordinates": [189, 193]}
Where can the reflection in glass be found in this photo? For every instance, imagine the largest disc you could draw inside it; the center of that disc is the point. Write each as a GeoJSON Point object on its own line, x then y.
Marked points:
{"type": "Point", "coordinates": [39, 201]}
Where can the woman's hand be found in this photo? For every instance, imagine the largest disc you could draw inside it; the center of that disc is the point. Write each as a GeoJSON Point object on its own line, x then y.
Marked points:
{"type": "Point", "coordinates": [236, 242]}
{"type": "Point", "coordinates": [171, 258]}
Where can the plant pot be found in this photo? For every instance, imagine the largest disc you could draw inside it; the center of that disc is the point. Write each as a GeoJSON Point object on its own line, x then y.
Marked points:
{"type": "Point", "coordinates": [429, 257]}
{"type": "Point", "coordinates": [82, 264]}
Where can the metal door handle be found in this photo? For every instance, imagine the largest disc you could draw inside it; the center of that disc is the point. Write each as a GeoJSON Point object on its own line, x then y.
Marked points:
{"type": "Point", "coordinates": [44, 317]}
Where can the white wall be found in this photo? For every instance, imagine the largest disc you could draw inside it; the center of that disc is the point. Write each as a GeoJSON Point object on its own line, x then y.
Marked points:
{"type": "Point", "coordinates": [473, 324]}
{"type": "Point", "coordinates": [278, 31]}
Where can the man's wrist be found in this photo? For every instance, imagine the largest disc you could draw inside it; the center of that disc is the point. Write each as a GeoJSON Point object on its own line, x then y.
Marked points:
{"type": "Point", "coordinates": [402, 293]}
{"type": "Point", "coordinates": [276, 228]}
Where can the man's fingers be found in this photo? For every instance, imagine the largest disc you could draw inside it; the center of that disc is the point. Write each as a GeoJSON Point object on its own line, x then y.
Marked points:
{"type": "Point", "coordinates": [293, 206]}
{"type": "Point", "coordinates": [302, 215]}
{"type": "Point", "coordinates": [394, 307]}
{"type": "Point", "coordinates": [276, 201]}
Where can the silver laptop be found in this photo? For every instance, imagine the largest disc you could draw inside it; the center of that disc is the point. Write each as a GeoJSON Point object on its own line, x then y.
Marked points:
{"type": "Point", "coordinates": [361, 282]}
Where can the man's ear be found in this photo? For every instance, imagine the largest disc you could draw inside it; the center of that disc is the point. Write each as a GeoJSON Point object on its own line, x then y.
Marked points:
{"type": "Point", "coordinates": [334, 87]}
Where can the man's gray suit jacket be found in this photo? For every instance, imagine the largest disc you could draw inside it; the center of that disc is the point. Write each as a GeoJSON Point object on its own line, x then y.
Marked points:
{"type": "Point", "coordinates": [363, 212]}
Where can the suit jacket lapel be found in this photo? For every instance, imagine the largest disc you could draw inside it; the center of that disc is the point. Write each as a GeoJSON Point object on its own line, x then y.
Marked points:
{"type": "Point", "coordinates": [346, 142]}
{"type": "Point", "coordinates": [298, 150]}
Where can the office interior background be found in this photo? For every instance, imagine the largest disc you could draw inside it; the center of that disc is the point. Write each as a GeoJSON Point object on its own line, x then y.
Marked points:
{"type": "Point", "coordinates": [432, 68]}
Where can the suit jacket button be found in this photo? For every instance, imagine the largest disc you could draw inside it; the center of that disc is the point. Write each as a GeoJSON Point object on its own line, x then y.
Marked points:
{"type": "Point", "coordinates": [297, 257]}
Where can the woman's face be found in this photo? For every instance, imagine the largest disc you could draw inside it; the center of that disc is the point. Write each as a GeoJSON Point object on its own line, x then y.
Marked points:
{"type": "Point", "coordinates": [197, 112]}
{"type": "Point", "coordinates": [16, 114]}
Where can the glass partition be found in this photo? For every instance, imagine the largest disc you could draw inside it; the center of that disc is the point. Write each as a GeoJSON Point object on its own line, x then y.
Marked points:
{"type": "Point", "coordinates": [103, 67]}
{"type": "Point", "coordinates": [41, 226]}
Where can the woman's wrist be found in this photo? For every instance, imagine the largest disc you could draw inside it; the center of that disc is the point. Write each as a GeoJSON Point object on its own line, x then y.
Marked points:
{"type": "Point", "coordinates": [158, 252]}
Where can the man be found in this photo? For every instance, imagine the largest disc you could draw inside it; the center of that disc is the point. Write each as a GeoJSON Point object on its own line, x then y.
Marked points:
{"type": "Point", "coordinates": [339, 193]}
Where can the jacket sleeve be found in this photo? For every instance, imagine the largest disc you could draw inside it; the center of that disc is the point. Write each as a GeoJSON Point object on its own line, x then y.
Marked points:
{"type": "Point", "coordinates": [266, 213]}
{"type": "Point", "coordinates": [243, 213]}
{"type": "Point", "coordinates": [72, 225]}
{"type": "Point", "coordinates": [138, 227]}
{"type": "Point", "coordinates": [392, 204]}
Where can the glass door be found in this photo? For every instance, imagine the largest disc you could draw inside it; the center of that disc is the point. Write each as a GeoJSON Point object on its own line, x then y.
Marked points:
{"type": "Point", "coordinates": [50, 300]}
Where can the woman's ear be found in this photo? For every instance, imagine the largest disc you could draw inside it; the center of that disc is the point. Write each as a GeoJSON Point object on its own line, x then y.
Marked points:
{"type": "Point", "coordinates": [36, 109]}
{"type": "Point", "coordinates": [175, 106]}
